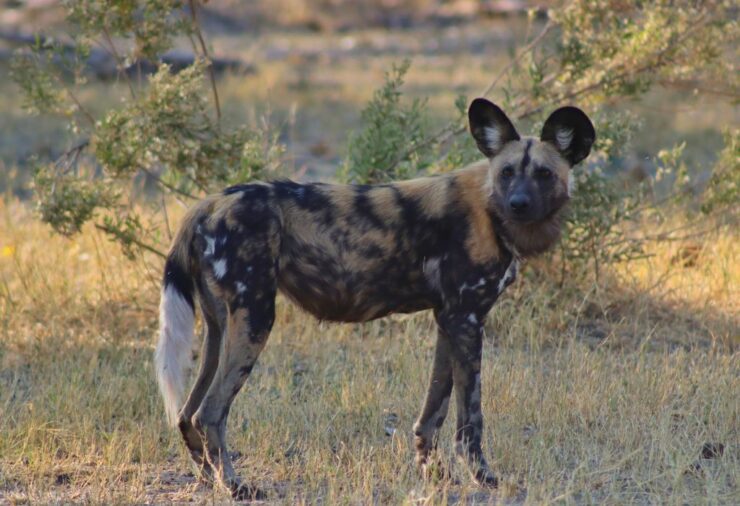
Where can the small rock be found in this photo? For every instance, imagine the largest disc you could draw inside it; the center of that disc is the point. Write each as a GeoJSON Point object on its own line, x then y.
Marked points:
{"type": "Point", "coordinates": [63, 479]}
{"type": "Point", "coordinates": [389, 423]}
{"type": "Point", "coordinates": [712, 450]}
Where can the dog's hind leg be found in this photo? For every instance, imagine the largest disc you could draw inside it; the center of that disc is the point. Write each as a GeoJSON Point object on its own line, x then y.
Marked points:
{"type": "Point", "coordinates": [437, 400]}
{"type": "Point", "coordinates": [250, 317]}
{"type": "Point", "coordinates": [215, 320]}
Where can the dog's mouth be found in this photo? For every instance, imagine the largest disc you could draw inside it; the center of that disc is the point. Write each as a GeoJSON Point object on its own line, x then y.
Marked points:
{"type": "Point", "coordinates": [530, 220]}
{"type": "Point", "coordinates": [525, 220]}
{"type": "Point", "coordinates": [534, 218]}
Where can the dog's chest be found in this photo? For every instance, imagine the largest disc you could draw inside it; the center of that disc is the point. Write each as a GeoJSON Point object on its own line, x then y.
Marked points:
{"type": "Point", "coordinates": [469, 286]}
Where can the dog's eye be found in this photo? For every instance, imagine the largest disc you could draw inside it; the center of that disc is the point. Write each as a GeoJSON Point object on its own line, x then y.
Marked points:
{"type": "Point", "coordinates": [542, 173]}
{"type": "Point", "coordinates": [507, 172]}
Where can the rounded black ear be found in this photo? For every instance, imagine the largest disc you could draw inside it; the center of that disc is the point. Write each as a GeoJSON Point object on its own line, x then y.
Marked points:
{"type": "Point", "coordinates": [490, 127]}
{"type": "Point", "coordinates": [571, 132]}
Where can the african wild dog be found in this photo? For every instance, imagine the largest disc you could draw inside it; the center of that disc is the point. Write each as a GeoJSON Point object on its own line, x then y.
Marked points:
{"type": "Point", "coordinates": [352, 253]}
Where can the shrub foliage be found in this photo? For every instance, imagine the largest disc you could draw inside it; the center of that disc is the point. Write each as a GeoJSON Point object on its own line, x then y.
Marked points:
{"type": "Point", "coordinates": [168, 133]}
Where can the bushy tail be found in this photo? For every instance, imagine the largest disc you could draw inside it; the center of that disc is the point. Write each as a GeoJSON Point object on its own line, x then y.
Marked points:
{"type": "Point", "coordinates": [177, 319]}
{"type": "Point", "coordinates": [176, 323]}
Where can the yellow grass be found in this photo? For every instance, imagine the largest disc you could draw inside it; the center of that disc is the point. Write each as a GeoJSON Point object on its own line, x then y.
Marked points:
{"type": "Point", "coordinates": [594, 392]}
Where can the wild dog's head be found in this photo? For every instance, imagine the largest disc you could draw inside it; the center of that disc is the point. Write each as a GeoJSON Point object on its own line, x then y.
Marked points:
{"type": "Point", "coordinates": [528, 177]}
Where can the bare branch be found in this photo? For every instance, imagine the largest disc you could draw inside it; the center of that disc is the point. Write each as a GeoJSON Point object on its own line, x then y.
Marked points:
{"type": "Point", "coordinates": [657, 60]}
{"type": "Point", "coordinates": [119, 60]}
{"type": "Point", "coordinates": [70, 157]}
{"type": "Point", "coordinates": [167, 185]}
{"type": "Point", "coordinates": [526, 49]}
{"type": "Point", "coordinates": [79, 105]}
{"type": "Point", "coordinates": [166, 217]}
{"type": "Point", "coordinates": [140, 244]}
{"type": "Point", "coordinates": [204, 49]}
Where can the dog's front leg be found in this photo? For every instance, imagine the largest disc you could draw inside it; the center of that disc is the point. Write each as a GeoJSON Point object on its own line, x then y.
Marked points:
{"type": "Point", "coordinates": [466, 339]}
{"type": "Point", "coordinates": [434, 412]}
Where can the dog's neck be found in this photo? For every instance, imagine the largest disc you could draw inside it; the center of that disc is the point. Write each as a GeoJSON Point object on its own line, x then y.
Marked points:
{"type": "Point", "coordinates": [531, 239]}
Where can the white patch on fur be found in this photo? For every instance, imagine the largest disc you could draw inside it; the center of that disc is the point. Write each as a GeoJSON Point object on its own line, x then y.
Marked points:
{"type": "Point", "coordinates": [219, 268]}
{"type": "Point", "coordinates": [493, 138]}
{"type": "Point", "coordinates": [571, 184]}
{"type": "Point", "coordinates": [480, 284]}
{"type": "Point", "coordinates": [432, 273]}
{"type": "Point", "coordinates": [210, 245]}
{"type": "Point", "coordinates": [472, 318]}
{"type": "Point", "coordinates": [172, 357]}
{"type": "Point", "coordinates": [240, 287]}
{"type": "Point", "coordinates": [511, 248]}
{"type": "Point", "coordinates": [563, 138]}
{"type": "Point", "coordinates": [508, 276]}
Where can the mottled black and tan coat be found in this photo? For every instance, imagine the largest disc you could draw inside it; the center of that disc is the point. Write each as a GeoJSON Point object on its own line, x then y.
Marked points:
{"type": "Point", "coordinates": [353, 253]}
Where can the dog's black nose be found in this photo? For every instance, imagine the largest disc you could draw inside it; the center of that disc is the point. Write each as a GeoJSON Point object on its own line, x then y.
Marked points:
{"type": "Point", "coordinates": [519, 203]}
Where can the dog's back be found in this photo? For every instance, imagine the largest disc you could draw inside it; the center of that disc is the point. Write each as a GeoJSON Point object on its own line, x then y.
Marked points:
{"type": "Point", "coordinates": [357, 252]}
{"type": "Point", "coordinates": [343, 252]}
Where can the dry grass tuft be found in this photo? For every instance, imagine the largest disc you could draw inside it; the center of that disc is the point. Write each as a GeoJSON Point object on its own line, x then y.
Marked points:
{"type": "Point", "coordinates": [608, 392]}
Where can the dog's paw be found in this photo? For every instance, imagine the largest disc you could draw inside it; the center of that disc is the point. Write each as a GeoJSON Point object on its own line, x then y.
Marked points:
{"type": "Point", "coordinates": [485, 478]}
{"type": "Point", "coordinates": [248, 493]}
{"type": "Point", "coordinates": [434, 471]}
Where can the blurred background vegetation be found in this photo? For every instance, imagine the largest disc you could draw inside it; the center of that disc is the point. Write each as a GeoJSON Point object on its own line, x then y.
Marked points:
{"type": "Point", "coordinates": [117, 108]}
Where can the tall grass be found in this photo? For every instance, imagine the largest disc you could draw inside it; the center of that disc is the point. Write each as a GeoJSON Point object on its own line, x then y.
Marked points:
{"type": "Point", "coordinates": [592, 393]}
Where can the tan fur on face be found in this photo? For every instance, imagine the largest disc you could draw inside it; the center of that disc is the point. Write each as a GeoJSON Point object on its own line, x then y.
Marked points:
{"type": "Point", "coordinates": [531, 238]}
{"type": "Point", "coordinates": [541, 154]}
{"type": "Point", "coordinates": [544, 154]}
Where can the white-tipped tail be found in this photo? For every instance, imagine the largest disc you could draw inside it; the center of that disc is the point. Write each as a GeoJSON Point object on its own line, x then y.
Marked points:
{"type": "Point", "coordinates": [173, 355]}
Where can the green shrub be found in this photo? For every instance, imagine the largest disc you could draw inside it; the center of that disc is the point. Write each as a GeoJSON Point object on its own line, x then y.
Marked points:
{"type": "Point", "coordinates": [723, 189]}
{"type": "Point", "coordinates": [165, 129]}
{"type": "Point", "coordinates": [387, 147]}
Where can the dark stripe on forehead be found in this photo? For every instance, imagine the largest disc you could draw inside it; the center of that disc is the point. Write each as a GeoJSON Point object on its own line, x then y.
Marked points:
{"type": "Point", "coordinates": [526, 159]}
